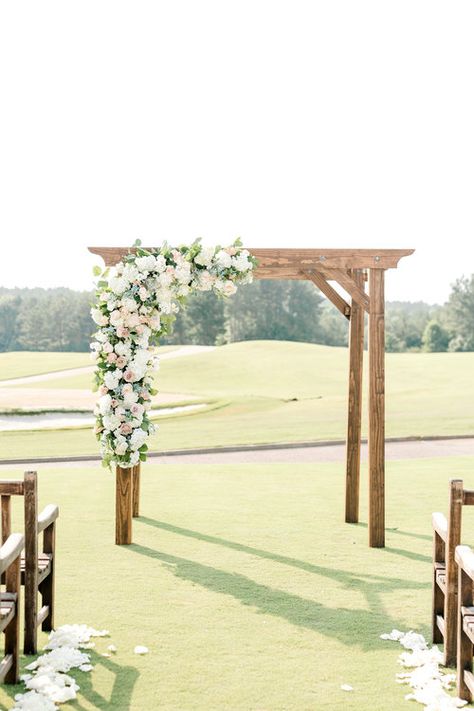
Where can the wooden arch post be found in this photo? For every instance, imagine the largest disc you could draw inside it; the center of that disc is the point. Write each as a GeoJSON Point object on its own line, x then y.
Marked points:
{"type": "Point", "coordinates": [349, 269]}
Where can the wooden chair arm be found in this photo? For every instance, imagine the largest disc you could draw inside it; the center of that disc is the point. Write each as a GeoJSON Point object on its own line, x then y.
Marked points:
{"type": "Point", "coordinates": [440, 525]}
{"type": "Point", "coordinates": [48, 515]}
{"type": "Point", "coordinates": [465, 559]}
{"type": "Point", "coordinates": [10, 550]}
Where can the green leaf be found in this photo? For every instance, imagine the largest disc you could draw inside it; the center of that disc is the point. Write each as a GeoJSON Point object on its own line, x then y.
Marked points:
{"type": "Point", "coordinates": [152, 391]}
{"type": "Point", "coordinates": [97, 271]}
{"type": "Point", "coordinates": [142, 457]}
{"type": "Point", "coordinates": [143, 448]}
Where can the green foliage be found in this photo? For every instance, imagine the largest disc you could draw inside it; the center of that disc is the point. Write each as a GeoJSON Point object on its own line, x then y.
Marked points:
{"type": "Point", "coordinates": [435, 338]}
{"type": "Point", "coordinates": [460, 314]}
{"type": "Point", "coordinates": [59, 320]}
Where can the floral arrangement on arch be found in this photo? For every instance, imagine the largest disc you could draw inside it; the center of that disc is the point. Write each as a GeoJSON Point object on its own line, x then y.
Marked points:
{"type": "Point", "coordinates": [136, 305]}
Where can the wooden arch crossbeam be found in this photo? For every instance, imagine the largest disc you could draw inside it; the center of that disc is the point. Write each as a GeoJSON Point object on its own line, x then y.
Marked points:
{"type": "Point", "coordinates": [350, 269]}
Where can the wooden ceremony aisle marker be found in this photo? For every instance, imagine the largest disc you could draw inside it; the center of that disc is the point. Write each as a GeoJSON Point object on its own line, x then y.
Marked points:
{"type": "Point", "coordinates": [347, 268]}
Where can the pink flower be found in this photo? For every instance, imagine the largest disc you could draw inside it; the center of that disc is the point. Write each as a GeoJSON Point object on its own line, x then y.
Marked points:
{"type": "Point", "coordinates": [114, 402]}
{"type": "Point", "coordinates": [129, 376]}
{"type": "Point", "coordinates": [139, 329]}
{"type": "Point", "coordinates": [112, 357]}
{"type": "Point", "coordinates": [122, 332]}
{"type": "Point", "coordinates": [143, 293]}
{"type": "Point", "coordinates": [231, 251]}
{"type": "Point", "coordinates": [103, 390]}
{"type": "Point", "coordinates": [144, 394]}
{"type": "Point", "coordinates": [121, 362]}
{"type": "Point", "coordinates": [137, 409]}
{"type": "Point", "coordinates": [143, 319]}
{"type": "Point", "coordinates": [125, 428]}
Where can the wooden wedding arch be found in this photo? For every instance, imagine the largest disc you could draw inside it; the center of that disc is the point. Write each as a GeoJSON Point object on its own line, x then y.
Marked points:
{"type": "Point", "coordinates": [350, 268]}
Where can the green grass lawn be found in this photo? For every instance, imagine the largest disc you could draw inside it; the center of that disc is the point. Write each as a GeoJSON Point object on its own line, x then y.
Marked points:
{"type": "Point", "coordinates": [281, 392]}
{"type": "Point", "coordinates": [245, 584]}
{"type": "Point", "coordinates": [18, 364]}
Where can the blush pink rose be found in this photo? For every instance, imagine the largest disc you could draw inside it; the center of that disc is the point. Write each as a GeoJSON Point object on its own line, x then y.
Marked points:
{"type": "Point", "coordinates": [125, 428]}
{"type": "Point", "coordinates": [111, 358]}
{"type": "Point", "coordinates": [103, 390]}
{"type": "Point", "coordinates": [121, 362]}
{"type": "Point", "coordinates": [122, 332]}
{"type": "Point", "coordinates": [114, 402]}
{"type": "Point", "coordinates": [129, 376]}
{"type": "Point", "coordinates": [139, 329]}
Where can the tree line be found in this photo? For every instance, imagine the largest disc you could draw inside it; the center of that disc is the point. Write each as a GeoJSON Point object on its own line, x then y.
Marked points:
{"type": "Point", "coordinates": [59, 320]}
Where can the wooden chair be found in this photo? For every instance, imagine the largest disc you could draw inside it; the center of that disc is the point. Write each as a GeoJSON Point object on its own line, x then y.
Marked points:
{"type": "Point", "coordinates": [465, 678]}
{"type": "Point", "coordinates": [10, 553]}
{"type": "Point", "coordinates": [446, 536]}
{"type": "Point", "coordinates": [37, 569]}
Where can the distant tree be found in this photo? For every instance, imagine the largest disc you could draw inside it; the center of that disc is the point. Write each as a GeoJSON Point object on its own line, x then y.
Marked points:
{"type": "Point", "coordinates": [460, 314]}
{"type": "Point", "coordinates": [9, 309]}
{"type": "Point", "coordinates": [275, 310]}
{"type": "Point", "coordinates": [435, 338]}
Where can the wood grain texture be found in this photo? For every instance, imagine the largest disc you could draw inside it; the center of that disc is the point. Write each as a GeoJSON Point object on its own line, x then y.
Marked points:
{"type": "Point", "coordinates": [293, 261]}
{"type": "Point", "coordinates": [12, 632]}
{"type": "Point", "coordinates": [464, 644]}
{"type": "Point", "coordinates": [353, 288]}
{"type": "Point", "coordinates": [123, 506]}
{"type": "Point", "coordinates": [450, 598]}
{"type": "Point", "coordinates": [136, 491]}
{"type": "Point", "coordinates": [6, 517]}
{"type": "Point", "coordinates": [47, 586]}
{"type": "Point", "coordinates": [354, 416]}
{"type": "Point", "coordinates": [376, 410]}
{"type": "Point", "coordinates": [31, 561]}
{"type": "Point", "coordinates": [334, 297]}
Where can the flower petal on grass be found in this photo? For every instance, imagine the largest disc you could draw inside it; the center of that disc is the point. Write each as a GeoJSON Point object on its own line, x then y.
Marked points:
{"type": "Point", "coordinates": [141, 650]}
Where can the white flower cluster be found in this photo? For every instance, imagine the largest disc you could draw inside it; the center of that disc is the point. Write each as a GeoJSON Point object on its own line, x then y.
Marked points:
{"type": "Point", "coordinates": [136, 305]}
{"type": "Point", "coordinates": [49, 684]}
{"type": "Point", "coordinates": [430, 685]}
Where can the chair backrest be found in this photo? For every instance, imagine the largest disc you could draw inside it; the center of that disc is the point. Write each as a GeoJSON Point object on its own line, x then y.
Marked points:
{"type": "Point", "coordinates": [28, 488]}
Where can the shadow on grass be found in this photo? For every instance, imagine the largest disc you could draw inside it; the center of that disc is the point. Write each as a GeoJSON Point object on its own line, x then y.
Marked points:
{"type": "Point", "coordinates": [347, 578]}
{"type": "Point", "coordinates": [360, 627]}
{"type": "Point", "coordinates": [125, 678]}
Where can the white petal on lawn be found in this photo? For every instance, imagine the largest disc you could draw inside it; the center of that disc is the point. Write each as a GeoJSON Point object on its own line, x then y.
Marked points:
{"type": "Point", "coordinates": [430, 684]}
{"type": "Point", "coordinates": [49, 684]}
{"type": "Point", "coordinates": [141, 650]}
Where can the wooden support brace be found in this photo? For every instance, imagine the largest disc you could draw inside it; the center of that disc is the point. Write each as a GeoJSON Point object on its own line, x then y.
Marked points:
{"type": "Point", "coordinates": [356, 352]}
{"type": "Point", "coordinates": [376, 410]}
{"type": "Point", "coordinates": [123, 506]}
{"type": "Point", "coordinates": [320, 281]}
{"type": "Point", "coordinates": [355, 289]}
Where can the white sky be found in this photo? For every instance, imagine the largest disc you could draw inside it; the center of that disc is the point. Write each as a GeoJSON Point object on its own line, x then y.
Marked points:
{"type": "Point", "coordinates": [325, 124]}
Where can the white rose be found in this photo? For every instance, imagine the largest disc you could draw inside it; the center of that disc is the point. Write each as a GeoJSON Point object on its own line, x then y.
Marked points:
{"type": "Point", "coordinates": [138, 437]}
{"type": "Point", "coordinates": [160, 263]}
{"type": "Point", "coordinates": [130, 273]}
{"type": "Point", "coordinates": [206, 281]}
{"type": "Point", "coordinates": [111, 422]}
{"type": "Point", "coordinates": [111, 379]}
{"type": "Point", "coordinates": [99, 318]}
{"type": "Point", "coordinates": [229, 288]}
{"type": "Point", "coordinates": [241, 263]}
{"type": "Point", "coordinates": [118, 284]}
{"type": "Point", "coordinates": [105, 404]}
{"type": "Point", "coordinates": [129, 304]}
{"type": "Point", "coordinates": [121, 447]}
{"type": "Point", "coordinates": [204, 258]}
{"type": "Point", "coordinates": [134, 458]}
{"type": "Point", "coordinates": [146, 264]}
{"type": "Point", "coordinates": [122, 349]}
{"type": "Point", "coordinates": [223, 260]}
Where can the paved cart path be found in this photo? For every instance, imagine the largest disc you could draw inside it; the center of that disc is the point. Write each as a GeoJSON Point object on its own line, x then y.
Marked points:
{"type": "Point", "coordinates": [58, 374]}
{"type": "Point", "coordinates": [412, 449]}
